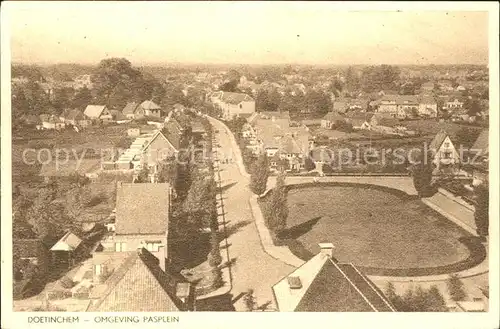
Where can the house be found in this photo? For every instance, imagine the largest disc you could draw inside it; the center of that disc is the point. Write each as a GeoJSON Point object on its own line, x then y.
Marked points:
{"type": "Point", "coordinates": [150, 108]}
{"type": "Point", "coordinates": [135, 282]}
{"type": "Point", "coordinates": [51, 122]}
{"type": "Point", "coordinates": [427, 87]}
{"type": "Point", "coordinates": [322, 156]}
{"type": "Point", "coordinates": [446, 85]}
{"type": "Point", "coordinates": [331, 119]}
{"type": "Point", "coordinates": [233, 104]}
{"type": "Point", "coordinates": [74, 117]}
{"type": "Point", "coordinates": [83, 81]}
{"type": "Point", "coordinates": [480, 148]}
{"type": "Point", "coordinates": [324, 285]}
{"type": "Point", "coordinates": [142, 218]}
{"type": "Point", "coordinates": [133, 111]}
{"type": "Point", "coordinates": [359, 120]}
{"type": "Point", "coordinates": [175, 133]}
{"type": "Point", "coordinates": [394, 103]}
{"type": "Point", "coordinates": [445, 153]}
{"type": "Point", "coordinates": [453, 103]}
{"type": "Point", "coordinates": [405, 113]}
{"type": "Point", "coordinates": [119, 117]}
{"type": "Point", "coordinates": [158, 149]}
{"type": "Point", "coordinates": [99, 113]}
{"type": "Point", "coordinates": [427, 107]}
{"type": "Point", "coordinates": [291, 150]}
{"type": "Point", "coordinates": [67, 249]}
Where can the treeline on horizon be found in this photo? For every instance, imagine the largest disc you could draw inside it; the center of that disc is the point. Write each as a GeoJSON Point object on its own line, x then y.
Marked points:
{"type": "Point", "coordinates": [69, 71]}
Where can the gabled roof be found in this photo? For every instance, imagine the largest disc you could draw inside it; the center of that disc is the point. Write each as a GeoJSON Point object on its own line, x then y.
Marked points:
{"type": "Point", "coordinates": [69, 242]}
{"type": "Point", "coordinates": [482, 142]}
{"type": "Point", "coordinates": [159, 134]}
{"type": "Point", "coordinates": [400, 99]}
{"type": "Point", "coordinates": [290, 145]}
{"type": "Point", "coordinates": [235, 98]}
{"type": "Point", "coordinates": [142, 208]}
{"type": "Point", "coordinates": [118, 115]}
{"type": "Point", "coordinates": [94, 111]}
{"type": "Point", "coordinates": [150, 105]}
{"type": "Point", "coordinates": [333, 116]}
{"type": "Point", "coordinates": [327, 286]}
{"type": "Point", "coordinates": [427, 99]}
{"type": "Point", "coordinates": [130, 108]}
{"type": "Point", "coordinates": [139, 285]}
{"type": "Point", "coordinates": [438, 140]}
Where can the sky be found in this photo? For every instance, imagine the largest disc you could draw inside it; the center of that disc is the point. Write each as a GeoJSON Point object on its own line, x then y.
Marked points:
{"type": "Point", "coordinates": [244, 33]}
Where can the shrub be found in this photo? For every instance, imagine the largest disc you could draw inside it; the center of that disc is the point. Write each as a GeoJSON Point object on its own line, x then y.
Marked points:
{"type": "Point", "coordinates": [96, 199]}
{"type": "Point", "coordinates": [66, 282]}
{"type": "Point", "coordinates": [455, 288]}
{"type": "Point", "coordinates": [249, 300]}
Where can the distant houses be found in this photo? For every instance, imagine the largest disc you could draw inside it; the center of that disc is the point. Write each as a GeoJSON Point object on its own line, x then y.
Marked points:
{"type": "Point", "coordinates": [233, 104]}
{"type": "Point", "coordinates": [99, 113]}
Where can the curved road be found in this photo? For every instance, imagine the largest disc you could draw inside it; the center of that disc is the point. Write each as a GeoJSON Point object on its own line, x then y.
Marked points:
{"type": "Point", "coordinates": [253, 268]}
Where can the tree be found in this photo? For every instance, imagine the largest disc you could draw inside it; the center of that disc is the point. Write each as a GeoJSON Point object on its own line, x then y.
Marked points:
{"type": "Point", "coordinates": [214, 258]}
{"type": "Point", "coordinates": [473, 106]}
{"type": "Point", "coordinates": [268, 100]}
{"type": "Point", "coordinates": [230, 86]}
{"type": "Point", "coordinates": [317, 102]}
{"type": "Point", "coordinates": [466, 137]}
{"type": "Point", "coordinates": [249, 300]}
{"type": "Point", "coordinates": [417, 299]}
{"type": "Point", "coordinates": [81, 98]}
{"type": "Point", "coordinates": [455, 288]}
{"type": "Point", "coordinates": [259, 174]}
{"type": "Point", "coordinates": [278, 203]}
{"type": "Point", "coordinates": [481, 215]}
{"type": "Point", "coordinates": [143, 176]}
{"type": "Point", "coordinates": [375, 78]}
{"type": "Point", "coordinates": [422, 173]}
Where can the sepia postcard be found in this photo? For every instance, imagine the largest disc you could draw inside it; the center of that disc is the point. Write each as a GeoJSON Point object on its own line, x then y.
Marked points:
{"type": "Point", "coordinates": [190, 164]}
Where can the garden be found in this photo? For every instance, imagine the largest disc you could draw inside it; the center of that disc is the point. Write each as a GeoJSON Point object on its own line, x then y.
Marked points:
{"type": "Point", "coordinates": [381, 230]}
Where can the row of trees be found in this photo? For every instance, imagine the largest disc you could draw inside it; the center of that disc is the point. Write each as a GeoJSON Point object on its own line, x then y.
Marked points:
{"type": "Point", "coordinates": [416, 299]}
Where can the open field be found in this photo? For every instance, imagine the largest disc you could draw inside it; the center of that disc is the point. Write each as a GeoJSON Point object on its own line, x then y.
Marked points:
{"type": "Point", "coordinates": [373, 227]}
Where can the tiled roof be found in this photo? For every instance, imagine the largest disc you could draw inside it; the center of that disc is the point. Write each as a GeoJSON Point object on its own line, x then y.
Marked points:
{"type": "Point", "coordinates": [438, 140]}
{"type": "Point", "coordinates": [333, 116]}
{"type": "Point", "coordinates": [327, 286]}
{"type": "Point", "coordinates": [234, 98]}
{"type": "Point", "coordinates": [94, 111]}
{"type": "Point", "coordinates": [142, 208]}
{"type": "Point", "coordinates": [139, 285]}
{"type": "Point", "coordinates": [130, 108]}
{"type": "Point", "coordinates": [400, 99]}
{"type": "Point", "coordinates": [150, 105]}
{"type": "Point", "coordinates": [482, 142]}
{"type": "Point", "coordinates": [82, 166]}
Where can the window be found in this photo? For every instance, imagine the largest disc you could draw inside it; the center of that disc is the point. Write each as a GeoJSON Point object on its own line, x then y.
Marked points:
{"type": "Point", "coordinates": [241, 106]}
{"type": "Point", "coordinates": [447, 144]}
{"type": "Point", "coordinates": [447, 155]}
{"type": "Point", "coordinates": [153, 246]}
{"type": "Point", "coordinates": [120, 246]}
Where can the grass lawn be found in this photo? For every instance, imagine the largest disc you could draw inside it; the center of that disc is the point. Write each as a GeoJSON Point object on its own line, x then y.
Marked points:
{"type": "Point", "coordinates": [432, 126]}
{"type": "Point", "coordinates": [371, 227]}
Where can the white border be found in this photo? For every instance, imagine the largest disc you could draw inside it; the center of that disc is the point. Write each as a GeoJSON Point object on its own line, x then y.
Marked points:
{"type": "Point", "coordinates": [488, 320]}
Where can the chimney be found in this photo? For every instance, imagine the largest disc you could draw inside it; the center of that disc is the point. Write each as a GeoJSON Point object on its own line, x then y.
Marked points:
{"type": "Point", "coordinates": [326, 249]}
